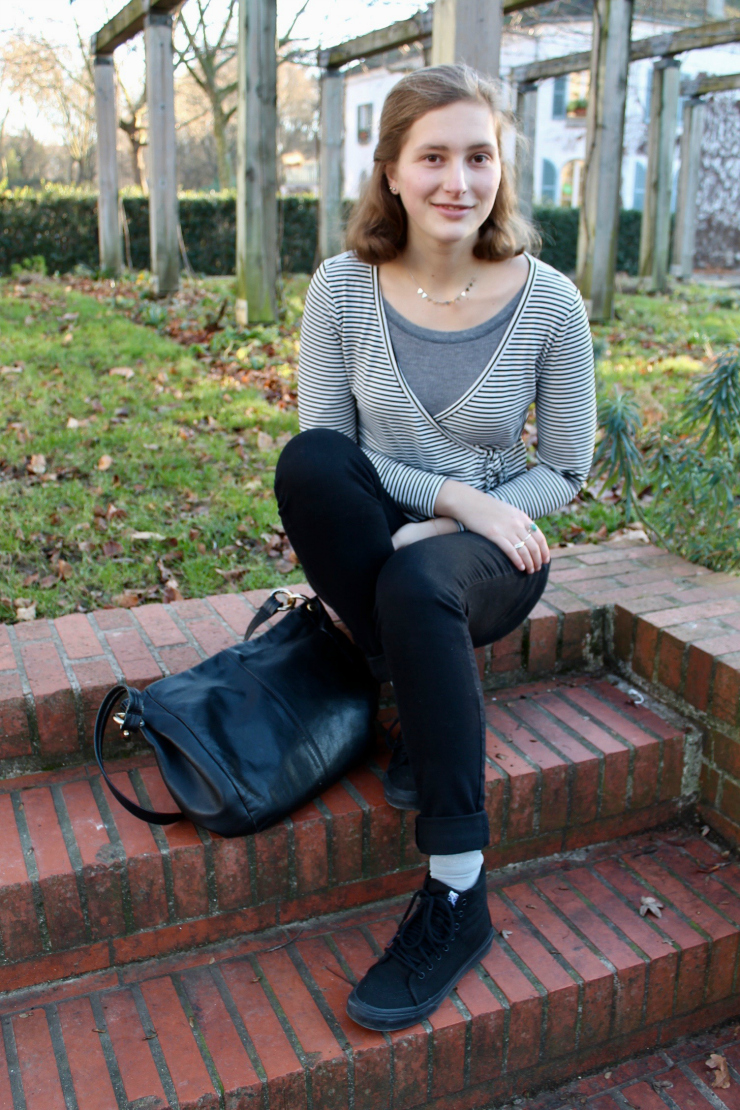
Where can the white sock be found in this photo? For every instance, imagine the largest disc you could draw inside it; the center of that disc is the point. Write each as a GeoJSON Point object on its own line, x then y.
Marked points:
{"type": "Point", "coordinates": [459, 871]}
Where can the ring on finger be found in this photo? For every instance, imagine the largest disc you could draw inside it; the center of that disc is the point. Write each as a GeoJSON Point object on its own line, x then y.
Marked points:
{"type": "Point", "coordinates": [532, 527]}
{"type": "Point", "coordinates": [522, 543]}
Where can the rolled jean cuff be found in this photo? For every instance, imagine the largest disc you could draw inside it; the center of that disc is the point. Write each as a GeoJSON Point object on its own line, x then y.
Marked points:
{"type": "Point", "coordinates": [445, 836]}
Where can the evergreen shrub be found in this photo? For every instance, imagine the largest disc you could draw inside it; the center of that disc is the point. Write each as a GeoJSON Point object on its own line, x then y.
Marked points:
{"type": "Point", "coordinates": [59, 224]}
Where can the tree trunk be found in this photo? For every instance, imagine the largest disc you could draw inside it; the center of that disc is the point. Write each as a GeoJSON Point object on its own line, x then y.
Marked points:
{"type": "Point", "coordinates": [223, 162]}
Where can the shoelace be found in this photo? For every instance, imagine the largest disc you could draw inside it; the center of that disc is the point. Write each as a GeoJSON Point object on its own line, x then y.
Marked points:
{"type": "Point", "coordinates": [390, 740]}
{"type": "Point", "coordinates": [426, 935]}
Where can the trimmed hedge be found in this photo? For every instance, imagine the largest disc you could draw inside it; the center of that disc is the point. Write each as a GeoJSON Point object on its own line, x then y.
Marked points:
{"type": "Point", "coordinates": [60, 225]}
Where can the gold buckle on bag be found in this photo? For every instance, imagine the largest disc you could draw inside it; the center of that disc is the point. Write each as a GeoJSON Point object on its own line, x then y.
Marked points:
{"type": "Point", "coordinates": [291, 599]}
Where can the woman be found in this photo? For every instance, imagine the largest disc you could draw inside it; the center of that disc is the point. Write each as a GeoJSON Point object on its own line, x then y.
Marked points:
{"type": "Point", "coordinates": [406, 494]}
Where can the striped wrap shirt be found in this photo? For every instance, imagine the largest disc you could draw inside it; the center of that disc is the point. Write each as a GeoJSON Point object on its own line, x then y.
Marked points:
{"type": "Point", "coordinates": [349, 380]}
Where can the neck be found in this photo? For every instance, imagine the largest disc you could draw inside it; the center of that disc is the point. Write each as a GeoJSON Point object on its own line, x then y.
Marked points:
{"type": "Point", "coordinates": [444, 264]}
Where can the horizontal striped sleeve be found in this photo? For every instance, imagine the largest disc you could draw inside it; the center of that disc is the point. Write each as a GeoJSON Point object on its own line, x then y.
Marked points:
{"type": "Point", "coordinates": [413, 489]}
{"type": "Point", "coordinates": [565, 406]}
{"type": "Point", "coordinates": [325, 397]}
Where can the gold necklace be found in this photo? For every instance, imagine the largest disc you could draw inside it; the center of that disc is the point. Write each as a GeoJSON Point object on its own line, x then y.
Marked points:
{"type": "Point", "coordinates": [426, 297]}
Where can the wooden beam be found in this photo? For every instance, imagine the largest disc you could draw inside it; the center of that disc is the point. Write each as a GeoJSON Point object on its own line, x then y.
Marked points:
{"type": "Point", "coordinates": [126, 23]}
{"type": "Point", "coordinates": [598, 220]}
{"type": "Point", "coordinates": [163, 206]}
{"type": "Point", "coordinates": [256, 178]}
{"type": "Point", "coordinates": [666, 45]}
{"type": "Point", "coordinates": [468, 31]}
{"type": "Point", "coordinates": [526, 118]}
{"type": "Point", "coordinates": [656, 216]}
{"type": "Point", "coordinates": [684, 229]}
{"type": "Point", "coordinates": [330, 169]}
{"type": "Point", "coordinates": [710, 83]}
{"type": "Point", "coordinates": [109, 230]}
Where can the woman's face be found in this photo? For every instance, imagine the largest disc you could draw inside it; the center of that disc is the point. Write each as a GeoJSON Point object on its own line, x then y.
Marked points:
{"type": "Point", "coordinates": [448, 172]}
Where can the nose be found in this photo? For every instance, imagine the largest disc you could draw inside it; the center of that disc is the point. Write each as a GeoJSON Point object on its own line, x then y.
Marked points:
{"type": "Point", "coordinates": [455, 181]}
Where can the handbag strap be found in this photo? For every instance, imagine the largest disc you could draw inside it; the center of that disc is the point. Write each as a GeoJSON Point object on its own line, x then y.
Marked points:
{"type": "Point", "coordinates": [133, 719]}
{"type": "Point", "coordinates": [273, 605]}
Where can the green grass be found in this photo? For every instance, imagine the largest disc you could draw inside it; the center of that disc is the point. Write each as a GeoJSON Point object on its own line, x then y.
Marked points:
{"type": "Point", "coordinates": [187, 434]}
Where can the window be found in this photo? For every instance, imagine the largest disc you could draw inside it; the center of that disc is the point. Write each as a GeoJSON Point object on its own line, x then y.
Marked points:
{"type": "Point", "coordinates": [364, 123]}
{"type": "Point", "coordinates": [578, 88]}
{"type": "Point", "coordinates": [559, 91]}
{"type": "Point", "coordinates": [638, 196]}
{"type": "Point", "coordinates": [571, 183]}
{"type": "Point", "coordinates": [549, 181]}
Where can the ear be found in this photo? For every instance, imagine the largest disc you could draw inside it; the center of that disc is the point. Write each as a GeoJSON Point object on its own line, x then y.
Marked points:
{"type": "Point", "coordinates": [390, 178]}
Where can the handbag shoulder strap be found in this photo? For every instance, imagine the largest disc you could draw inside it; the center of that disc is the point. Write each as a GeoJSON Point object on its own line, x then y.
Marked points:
{"type": "Point", "coordinates": [153, 816]}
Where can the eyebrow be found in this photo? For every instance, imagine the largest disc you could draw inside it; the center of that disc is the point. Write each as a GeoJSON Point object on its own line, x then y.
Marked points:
{"type": "Point", "coordinates": [442, 146]}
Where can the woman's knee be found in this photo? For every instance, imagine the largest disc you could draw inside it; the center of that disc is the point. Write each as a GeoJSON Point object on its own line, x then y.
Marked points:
{"type": "Point", "coordinates": [310, 459]}
{"type": "Point", "coordinates": [415, 575]}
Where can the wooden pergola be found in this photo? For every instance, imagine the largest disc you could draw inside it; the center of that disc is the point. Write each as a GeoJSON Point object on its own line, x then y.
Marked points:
{"type": "Point", "coordinates": [457, 31]}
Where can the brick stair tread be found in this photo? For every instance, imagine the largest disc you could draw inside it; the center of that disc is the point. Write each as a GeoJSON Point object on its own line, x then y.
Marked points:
{"type": "Point", "coordinates": [577, 979]}
{"type": "Point", "coordinates": [84, 885]}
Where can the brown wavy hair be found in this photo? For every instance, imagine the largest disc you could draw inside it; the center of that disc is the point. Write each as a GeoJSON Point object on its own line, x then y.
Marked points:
{"type": "Point", "coordinates": [378, 226]}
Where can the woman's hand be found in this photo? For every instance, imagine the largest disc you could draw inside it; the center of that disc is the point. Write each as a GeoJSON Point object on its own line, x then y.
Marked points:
{"type": "Point", "coordinates": [422, 530]}
{"type": "Point", "coordinates": [498, 521]}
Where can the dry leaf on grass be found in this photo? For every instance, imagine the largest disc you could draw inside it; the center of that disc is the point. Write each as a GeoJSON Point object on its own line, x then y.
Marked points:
{"type": "Point", "coordinates": [122, 372]}
{"type": "Point", "coordinates": [36, 464]}
{"type": "Point", "coordinates": [127, 600]}
{"type": "Point", "coordinates": [65, 570]}
{"type": "Point", "coordinates": [718, 1064]}
{"type": "Point", "coordinates": [48, 581]}
{"type": "Point", "coordinates": [147, 536]}
{"type": "Point", "coordinates": [112, 548]}
{"type": "Point", "coordinates": [265, 442]}
{"type": "Point", "coordinates": [31, 579]}
{"type": "Point", "coordinates": [25, 612]}
{"type": "Point", "coordinates": [105, 462]}
{"type": "Point", "coordinates": [67, 339]}
{"type": "Point", "coordinates": [171, 592]}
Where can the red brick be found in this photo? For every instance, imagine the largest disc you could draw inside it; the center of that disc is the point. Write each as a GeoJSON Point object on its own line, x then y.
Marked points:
{"type": "Point", "coordinates": [522, 785]}
{"type": "Point", "coordinates": [643, 1097]}
{"type": "Point", "coordinates": [370, 1050]}
{"type": "Point", "coordinates": [543, 639]}
{"type": "Point", "coordinates": [285, 1079]}
{"type": "Point", "coordinates": [39, 1075]}
{"type": "Point", "coordinates": [33, 631]}
{"type": "Point", "coordinates": [57, 879]}
{"type": "Point", "coordinates": [525, 1008]}
{"type": "Point", "coordinates": [647, 748]}
{"type": "Point", "coordinates": [720, 644]}
{"type": "Point", "coordinates": [15, 739]}
{"type": "Point", "coordinates": [6, 1095]}
{"type": "Point", "coordinates": [698, 677]}
{"type": "Point", "coordinates": [506, 653]}
{"type": "Point", "coordinates": [584, 763]}
{"type": "Point", "coordinates": [562, 990]}
{"type": "Point", "coordinates": [487, 1028]}
{"type": "Point", "coordinates": [328, 1066]}
{"type": "Point", "coordinates": [231, 866]}
{"type": "Point", "coordinates": [694, 950]}
{"type": "Point", "coordinates": [699, 611]}
{"type": "Point", "coordinates": [597, 979]}
{"type": "Point", "coordinates": [109, 619]}
{"type": "Point", "coordinates": [311, 854]}
{"type": "Point", "coordinates": [89, 1071]}
{"type": "Point", "coordinates": [187, 853]}
{"type": "Point", "coordinates": [190, 1077]}
{"type": "Point", "coordinates": [616, 763]}
{"type": "Point", "coordinates": [645, 648]}
{"type": "Point", "coordinates": [448, 1049]}
{"type": "Point", "coordinates": [234, 610]}
{"type": "Point", "coordinates": [726, 688]}
{"type": "Point", "coordinates": [55, 965]}
{"type": "Point", "coordinates": [192, 609]}
{"type": "Point", "coordinates": [18, 925]}
{"type": "Point", "coordinates": [384, 822]}
{"type": "Point", "coordinates": [671, 650]}
{"type": "Point", "coordinates": [137, 663]}
{"type": "Point", "coordinates": [725, 752]}
{"type": "Point", "coordinates": [95, 680]}
{"type": "Point", "coordinates": [346, 819]}
{"type": "Point", "coordinates": [211, 635]}
{"type": "Point", "coordinates": [582, 573]}
{"type": "Point", "coordinates": [167, 939]}
{"type": "Point", "coordinates": [143, 859]}
{"type": "Point", "coordinates": [101, 868]}
{"type": "Point", "coordinates": [159, 625]}
{"type": "Point", "coordinates": [731, 801]}
{"type": "Point", "coordinates": [7, 655]}
{"type": "Point", "coordinates": [133, 1054]}
{"type": "Point", "coordinates": [494, 801]}
{"type": "Point", "coordinates": [240, 1081]}
{"type": "Point", "coordinates": [554, 798]}
{"type": "Point", "coordinates": [631, 969]}
{"type": "Point", "coordinates": [663, 957]}
{"type": "Point", "coordinates": [55, 708]}
{"type": "Point", "coordinates": [178, 659]}
{"type": "Point", "coordinates": [623, 631]}
{"type": "Point", "coordinates": [273, 863]}
{"type": "Point", "coordinates": [78, 636]}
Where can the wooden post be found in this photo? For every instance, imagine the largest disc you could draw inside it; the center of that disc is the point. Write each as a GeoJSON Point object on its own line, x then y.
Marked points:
{"type": "Point", "coordinates": [163, 207]}
{"type": "Point", "coordinates": [331, 168]}
{"type": "Point", "coordinates": [656, 215]}
{"type": "Point", "coordinates": [468, 31]}
{"type": "Point", "coordinates": [684, 231]}
{"type": "Point", "coordinates": [256, 157]}
{"type": "Point", "coordinates": [109, 231]}
{"type": "Point", "coordinates": [599, 213]}
{"type": "Point", "coordinates": [715, 9]}
{"type": "Point", "coordinates": [526, 117]}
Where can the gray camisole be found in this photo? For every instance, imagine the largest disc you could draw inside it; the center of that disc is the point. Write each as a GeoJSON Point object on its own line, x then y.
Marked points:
{"type": "Point", "coordinates": [439, 366]}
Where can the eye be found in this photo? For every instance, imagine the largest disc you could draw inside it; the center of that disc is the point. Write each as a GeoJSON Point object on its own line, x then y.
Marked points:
{"type": "Point", "coordinates": [481, 159]}
{"type": "Point", "coordinates": [428, 156]}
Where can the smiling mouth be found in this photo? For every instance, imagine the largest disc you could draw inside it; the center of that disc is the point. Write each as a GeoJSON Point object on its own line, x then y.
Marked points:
{"type": "Point", "coordinates": [456, 207]}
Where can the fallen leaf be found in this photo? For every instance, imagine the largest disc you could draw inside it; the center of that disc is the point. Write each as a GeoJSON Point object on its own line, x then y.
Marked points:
{"type": "Point", "coordinates": [648, 904]}
{"type": "Point", "coordinates": [147, 536]}
{"type": "Point", "coordinates": [506, 933]}
{"type": "Point", "coordinates": [170, 592]}
{"type": "Point", "coordinates": [236, 572]}
{"type": "Point", "coordinates": [105, 462]}
{"type": "Point", "coordinates": [67, 338]}
{"type": "Point", "coordinates": [265, 442]}
{"type": "Point", "coordinates": [152, 446]}
{"type": "Point", "coordinates": [36, 464]}
{"type": "Point", "coordinates": [662, 1083]}
{"type": "Point", "coordinates": [30, 579]}
{"type": "Point", "coordinates": [70, 316]}
{"type": "Point", "coordinates": [718, 1064]}
{"type": "Point", "coordinates": [65, 570]}
{"type": "Point", "coordinates": [26, 612]}
{"type": "Point", "coordinates": [122, 372]}
{"type": "Point", "coordinates": [127, 600]}
{"type": "Point", "coordinates": [11, 369]}
{"type": "Point", "coordinates": [705, 830]}
{"type": "Point", "coordinates": [72, 422]}
{"type": "Point", "coordinates": [284, 566]}
{"type": "Point", "coordinates": [48, 581]}
{"type": "Point", "coordinates": [111, 548]}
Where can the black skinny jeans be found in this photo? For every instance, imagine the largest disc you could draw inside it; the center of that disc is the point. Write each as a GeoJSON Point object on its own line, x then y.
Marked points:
{"type": "Point", "coordinates": [417, 613]}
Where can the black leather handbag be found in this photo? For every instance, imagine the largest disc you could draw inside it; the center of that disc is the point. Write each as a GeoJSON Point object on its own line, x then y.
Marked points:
{"type": "Point", "coordinates": [251, 734]}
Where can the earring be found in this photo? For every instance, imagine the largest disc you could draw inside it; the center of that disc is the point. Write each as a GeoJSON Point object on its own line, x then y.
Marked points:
{"type": "Point", "coordinates": [393, 189]}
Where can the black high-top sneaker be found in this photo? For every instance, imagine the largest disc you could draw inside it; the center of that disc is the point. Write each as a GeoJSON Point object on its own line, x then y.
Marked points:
{"type": "Point", "coordinates": [398, 779]}
{"type": "Point", "coordinates": [442, 935]}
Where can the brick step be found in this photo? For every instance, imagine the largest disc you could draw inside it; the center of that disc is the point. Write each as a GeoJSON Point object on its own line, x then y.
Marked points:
{"type": "Point", "coordinates": [84, 885]}
{"type": "Point", "coordinates": [577, 979]}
